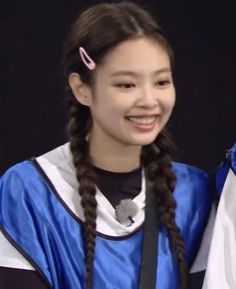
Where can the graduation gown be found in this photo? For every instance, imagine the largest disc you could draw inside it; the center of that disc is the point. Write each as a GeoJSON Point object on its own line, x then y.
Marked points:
{"type": "Point", "coordinates": [42, 218]}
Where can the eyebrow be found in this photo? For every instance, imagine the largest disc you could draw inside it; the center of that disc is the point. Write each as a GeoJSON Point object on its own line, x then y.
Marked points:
{"type": "Point", "coordinates": [136, 74]}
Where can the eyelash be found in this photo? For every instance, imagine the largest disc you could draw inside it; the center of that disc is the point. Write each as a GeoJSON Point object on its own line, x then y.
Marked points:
{"type": "Point", "coordinates": [131, 85]}
{"type": "Point", "coordinates": [125, 85]}
{"type": "Point", "coordinates": [163, 82]}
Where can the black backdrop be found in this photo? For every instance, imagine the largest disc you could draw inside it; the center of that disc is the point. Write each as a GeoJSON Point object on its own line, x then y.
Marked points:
{"type": "Point", "coordinates": [32, 114]}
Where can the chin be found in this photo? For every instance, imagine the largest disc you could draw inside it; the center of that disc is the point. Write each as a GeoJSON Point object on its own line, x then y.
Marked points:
{"type": "Point", "coordinates": [148, 138]}
{"type": "Point", "coordinates": [144, 141]}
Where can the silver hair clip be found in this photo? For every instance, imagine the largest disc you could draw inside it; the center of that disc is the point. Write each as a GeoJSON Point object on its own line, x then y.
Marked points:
{"type": "Point", "coordinates": [86, 59]}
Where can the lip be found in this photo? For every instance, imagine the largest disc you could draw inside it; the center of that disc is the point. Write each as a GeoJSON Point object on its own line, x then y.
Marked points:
{"type": "Point", "coordinates": [143, 122]}
{"type": "Point", "coordinates": [144, 115]}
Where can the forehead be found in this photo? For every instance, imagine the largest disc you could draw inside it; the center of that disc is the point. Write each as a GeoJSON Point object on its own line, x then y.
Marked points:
{"type": "Point", "coordinates": [138, 55]}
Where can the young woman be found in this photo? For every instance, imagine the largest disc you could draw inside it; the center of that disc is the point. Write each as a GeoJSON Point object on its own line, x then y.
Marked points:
{"type": "Point", "coordinates": [109, 209]}
{"type": "Point", "coordinates": [221, 267]}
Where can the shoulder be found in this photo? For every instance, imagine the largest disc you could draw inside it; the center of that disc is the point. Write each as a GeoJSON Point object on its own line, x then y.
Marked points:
{"type": "Point", "coordinates": [17, 177]}
{"type": "Point", "coordinates": [193, 188]}
{"type": "Point", "coordinates": [192, 180]}
{"type": "Point", "coordinates": [186, 170]}
{"type": "Point", "coordinates": [27, 171]}
{"type": "Point", "coordinates": [25, 184]}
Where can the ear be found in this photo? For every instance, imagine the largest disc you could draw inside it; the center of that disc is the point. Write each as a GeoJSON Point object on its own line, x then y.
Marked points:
{"type": "Point", "coordinates": [81, 91]}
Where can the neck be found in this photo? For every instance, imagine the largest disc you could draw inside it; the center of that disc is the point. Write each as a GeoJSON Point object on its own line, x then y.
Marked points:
{"type": "Point", "coordinates": [114, 157]}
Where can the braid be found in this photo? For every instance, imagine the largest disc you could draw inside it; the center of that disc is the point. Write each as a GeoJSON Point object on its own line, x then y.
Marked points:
{"type": "Point", "coordinates": [84, 173]}
{"type": "Point", "coordinates": [158, 166]}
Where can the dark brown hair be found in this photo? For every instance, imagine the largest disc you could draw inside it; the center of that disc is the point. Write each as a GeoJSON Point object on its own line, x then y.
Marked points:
{"type": "Point", "coordinates": [98, 30]}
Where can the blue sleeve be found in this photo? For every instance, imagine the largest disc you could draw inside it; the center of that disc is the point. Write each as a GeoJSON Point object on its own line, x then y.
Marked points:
{"type": "Point", "coordinates": [20, 211]}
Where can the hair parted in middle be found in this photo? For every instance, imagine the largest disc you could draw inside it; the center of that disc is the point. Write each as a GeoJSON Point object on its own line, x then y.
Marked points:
{"type": "Point", "coordinates": [98, 30]}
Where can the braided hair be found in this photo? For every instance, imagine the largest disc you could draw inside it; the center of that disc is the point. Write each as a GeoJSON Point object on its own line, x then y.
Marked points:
{"type": "Point", "coordinates": [158, 167]}
{"type": "Point", "coordinates": [86, 178]}
{"type": "Point", "coordinates": [126, 21]}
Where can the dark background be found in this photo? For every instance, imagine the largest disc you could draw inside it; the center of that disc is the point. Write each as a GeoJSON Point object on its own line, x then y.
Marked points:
{"type": "Point", "coordinates": [32, 110]}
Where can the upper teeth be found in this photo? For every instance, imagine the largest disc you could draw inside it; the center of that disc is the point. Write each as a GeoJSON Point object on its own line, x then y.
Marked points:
{"type": "Point", "coordinates": [142, 120]}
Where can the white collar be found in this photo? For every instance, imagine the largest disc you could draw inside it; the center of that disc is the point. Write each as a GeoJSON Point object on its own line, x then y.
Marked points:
{"type": "Point", "coordinates": [57, 165]}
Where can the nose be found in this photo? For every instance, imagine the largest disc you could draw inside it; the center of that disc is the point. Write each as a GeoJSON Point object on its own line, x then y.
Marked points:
{"type": "Point", "coordinates": [148, 98]}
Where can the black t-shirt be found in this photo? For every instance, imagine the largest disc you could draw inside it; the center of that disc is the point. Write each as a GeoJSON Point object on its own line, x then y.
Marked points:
{"type": "Point", "coordinates": [118, 186]}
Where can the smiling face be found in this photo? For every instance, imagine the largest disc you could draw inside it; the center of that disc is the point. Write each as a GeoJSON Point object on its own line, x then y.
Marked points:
{"type": "Point", "coordinates": [132, 95]}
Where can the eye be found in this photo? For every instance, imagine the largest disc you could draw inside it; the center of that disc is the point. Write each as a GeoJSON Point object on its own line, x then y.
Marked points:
{"type": "Point", "coordinates": [125, 85]}
{"type": "Point", "coordinates": [163, 83]}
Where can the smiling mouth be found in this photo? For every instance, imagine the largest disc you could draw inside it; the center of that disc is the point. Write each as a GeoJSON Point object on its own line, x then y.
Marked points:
{"type": "Point", "coordinates": [142, 120]}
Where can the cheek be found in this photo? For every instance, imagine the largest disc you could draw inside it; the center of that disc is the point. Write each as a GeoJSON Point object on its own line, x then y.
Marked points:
{"type": "Point", "coordinates": [172, 102]}
{"type": "Point", "coordinates": [169, 102]}
{"type": "Point", "coordinates": [172, 98]}
{"type": "Point", "coordinates": [105, 111]}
